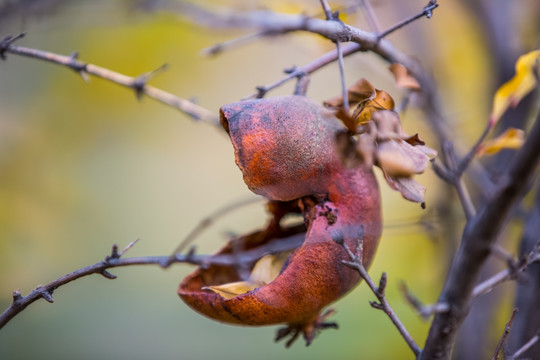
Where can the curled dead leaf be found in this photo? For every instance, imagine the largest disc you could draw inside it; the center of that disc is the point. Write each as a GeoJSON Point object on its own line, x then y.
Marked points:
{"type": "Point", "coordinates": [365, 110]}
{"type": "Point", "coordinates": [362, 90]}
{"type": "Point", "coordinates": [403, 78]}
{"type": "Point", "coordinates": [388, 125]}
{"type": "Point", "coordinates": [408, 187]}
{"type": "Point", "coordinates": [398, 158]}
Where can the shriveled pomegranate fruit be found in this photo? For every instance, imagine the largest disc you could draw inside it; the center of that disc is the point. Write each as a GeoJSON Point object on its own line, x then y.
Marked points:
{"type": "Point", "coordinates": [285, 147]}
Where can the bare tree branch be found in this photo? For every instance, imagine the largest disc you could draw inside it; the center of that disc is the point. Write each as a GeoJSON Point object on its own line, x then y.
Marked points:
{"type": "Point", "coordinates": [207, 221]}
{"type": "Point", "coordinates": [114, 260]}
{"type": "Point", "coordinates": [371, 17]}
{"type": "Point", "coordinates": [478, 237]}
{"type": "Point", "coordinates": [309, 68]}
{"type": "Point", "coordinates": [427, 12]}
{"type": "Point", "coordinates": [138, 84]}
{"type": "Point", "coordinates": [529, 344]}
{"type": "Point", "coordinates": [379, 291]}
{"type": "Point", "coordinates": [504, 337]}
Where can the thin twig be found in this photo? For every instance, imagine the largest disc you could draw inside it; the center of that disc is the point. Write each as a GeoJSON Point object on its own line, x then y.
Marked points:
{"type": "Point", "coordinates": [220, 47]}
{"type": "Point", "coordinates": [371, 17]}
{"type": "Point", "coordinates": [427, 12]}
{"type": "Point", "coordinates": [529, 344]}
{"type": "Point", "coordinates": [138, 84]}
{"type": "Point", "coordinates": [466, 160]}
{"type": "Point", "coordinates": [342, 77]}
{"type": "Point", "coordinates": [112, 261]}
{"type": "Point", "coordinates": [512, 272]}
{"type": "Point", "coordinates": [209, 220]}
{"type": "Point", "coordinates": [458, 182]}
{"type": "Point", "coordinates": [502, 342]}
{"type": "Point", "coordinates": [425, 311]}
{"type": "Point", "coordinates": [327, 10]}
{"type": "Point", "coordinates": [308, 68]}
{"type": "Point", "coordinates": [356, 263]}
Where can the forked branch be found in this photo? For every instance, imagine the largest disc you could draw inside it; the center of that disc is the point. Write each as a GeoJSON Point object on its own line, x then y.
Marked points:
{"type": "Point", "coordinates": [379, 291]}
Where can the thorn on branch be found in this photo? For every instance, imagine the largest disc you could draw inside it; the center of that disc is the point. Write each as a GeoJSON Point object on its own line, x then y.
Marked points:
{"type": "Point", "coordinates": [46, 294]}
{"type": "Point", "coordinates": [382, 284]}
{"type": "Point", "coordinates": [261, 91]}
{"type": "Point", "coordinates": [6, 43]}
{"type": "Point", "coordinates": [139, 83]}
{"type": "Point", "coordinates": [108, 275]}
{"type": "Point", "coordinates": [78, 66]}
{"type": "Point", "coordinates": [114, 253]}
{"type": "Point", "coordinates": [129, 246]}
{"type": "Point", "coordinates": [376, 305]}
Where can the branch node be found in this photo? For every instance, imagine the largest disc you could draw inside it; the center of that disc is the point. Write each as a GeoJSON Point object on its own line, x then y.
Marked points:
{"type": "Point", "coordinates": [382, 284]}
{"type": "Point", "coordinates": [6, 43]}
{"type": "Point", "coordinates": [78, 66]}
{"type": "Point", "coordinates": [261, 92]}
{"type": "Point", "coordinates": [17, 296]}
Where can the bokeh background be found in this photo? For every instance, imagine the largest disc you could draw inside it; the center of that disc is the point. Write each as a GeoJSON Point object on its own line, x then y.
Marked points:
{"type": "Point", "coordinates": [84, 166]}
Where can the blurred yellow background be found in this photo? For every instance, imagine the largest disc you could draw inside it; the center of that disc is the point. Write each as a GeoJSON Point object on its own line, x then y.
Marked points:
{"type": "Point", "coordinates": [85, 166]}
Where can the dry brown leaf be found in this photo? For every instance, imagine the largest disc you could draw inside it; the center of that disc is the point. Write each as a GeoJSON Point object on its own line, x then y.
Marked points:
{"type": "Point", "coordinates": [403, 78]}
{"type": "Point", "coordinates": [388, 125]}
{"type": "Point", "coordinates": [415, 140]}
{"type": "Point", "coordinates": [349, 121]}
{"type": "Point", "coordinates": [408, 187]}
{"type": "Point", "coordinates": [398, 158]}
{"type": "Point", "coordinates": [360, 91]}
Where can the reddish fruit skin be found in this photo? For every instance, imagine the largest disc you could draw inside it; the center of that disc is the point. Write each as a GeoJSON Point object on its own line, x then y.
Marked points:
{"type": "Point", "coordinates": [345, 205]}
{"type": "Point", "coordinates": [283, 145]}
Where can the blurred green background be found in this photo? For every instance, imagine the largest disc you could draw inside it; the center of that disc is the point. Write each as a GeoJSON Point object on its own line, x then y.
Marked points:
{"type": "Point", "coordinates": [85, 166]}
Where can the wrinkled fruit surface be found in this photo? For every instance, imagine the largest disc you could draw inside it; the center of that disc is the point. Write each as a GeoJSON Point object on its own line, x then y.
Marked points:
{"type": "Point", "coordinates": [285, 147]}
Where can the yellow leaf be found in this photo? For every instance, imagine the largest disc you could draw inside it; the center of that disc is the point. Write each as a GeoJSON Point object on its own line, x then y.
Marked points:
{"type": "Point", "coordinates": [511, 92]}
{"type": "Point", "coordinates": [230, 290]}
{"type": "Point", "coordinates": [366, 109]}
{"type": "Point", "coordinates": [510, 139]}
{"type": "Point", "coordinates": [362, 90]}
{"type": "Point", "coordinates": [263, 273]}
{"type": "Point", "coordinates": [403, 78]}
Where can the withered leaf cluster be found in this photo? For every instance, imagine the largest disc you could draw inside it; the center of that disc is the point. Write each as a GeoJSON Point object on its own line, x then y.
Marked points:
{"type": "Point", "coordinates": [375, 136]}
